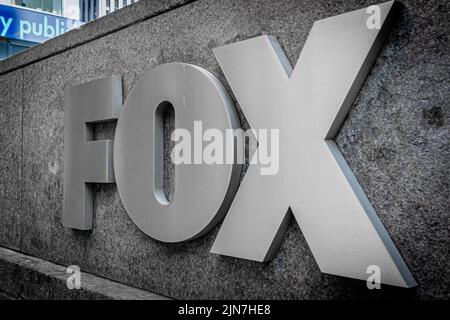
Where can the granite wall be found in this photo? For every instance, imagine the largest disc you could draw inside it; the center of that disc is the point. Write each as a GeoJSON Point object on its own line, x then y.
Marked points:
{"type": "Point", "coordinates": [396, 140]}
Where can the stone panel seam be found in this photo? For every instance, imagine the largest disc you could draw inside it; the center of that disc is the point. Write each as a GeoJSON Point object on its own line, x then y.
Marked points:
{"type": "Point", "coordinates": [22, 183]}
{"type": "Point", "coordinates": [94, 284]}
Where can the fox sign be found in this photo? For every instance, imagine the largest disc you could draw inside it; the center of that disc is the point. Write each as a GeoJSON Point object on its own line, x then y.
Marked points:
{"type": "Point", "coordinates": [306, 104]}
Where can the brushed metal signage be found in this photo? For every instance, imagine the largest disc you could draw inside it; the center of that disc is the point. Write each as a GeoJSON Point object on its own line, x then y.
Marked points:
{"type": "Point", "coordinates": [203, 193]}
{"type": "Point", "coordinates": [87, 161]}
{"type": "Point", "coordinates": [307, 104]}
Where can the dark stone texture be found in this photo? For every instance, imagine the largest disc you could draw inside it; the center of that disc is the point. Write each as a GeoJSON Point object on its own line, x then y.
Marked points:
{"type": "Point", "coordinates": [10, 158]}
{"type": "Point", "coordinates": [395, 140]}
{"type": "Point", "coordinates": [26, 277]}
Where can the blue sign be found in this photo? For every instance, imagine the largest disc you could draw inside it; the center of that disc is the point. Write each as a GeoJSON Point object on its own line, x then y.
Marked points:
{"type": "Point", "coordinates": [29, 25]}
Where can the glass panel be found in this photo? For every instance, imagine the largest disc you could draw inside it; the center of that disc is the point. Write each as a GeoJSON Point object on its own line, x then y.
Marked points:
{"type": "Point", "coordinates": [3, 50]}
{"type": "Point", "coordinates": [83, 17]}
{"type": "Point", "coordinates": [33, 4]}
{"type": "Point", "coordinates": [52, 6]}
{"type": "Point", "coordinates": [57, 7]}
{"type": "Point", "coordinates": [16, 47]}
{"type": "Point", "coordinates": [47, 5]}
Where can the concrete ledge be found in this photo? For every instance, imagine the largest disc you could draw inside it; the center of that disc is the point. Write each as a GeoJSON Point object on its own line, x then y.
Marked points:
{"type": "Point", "coordinates": [26, 277]}
{"type": "Point", "coordinates": [139, 11]}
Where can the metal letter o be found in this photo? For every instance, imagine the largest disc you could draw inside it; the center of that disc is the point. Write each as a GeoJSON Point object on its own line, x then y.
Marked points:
{"type": "Point", "coordinates": [203, 193]}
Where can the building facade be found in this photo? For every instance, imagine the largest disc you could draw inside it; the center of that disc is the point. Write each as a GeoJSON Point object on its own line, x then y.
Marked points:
{"type": "Point", "coordinates": [66, 8]}
{"type": "Point", "coordinates": [71, 13]}
{"type": "Point", "coordinates": [93, 9]}
{"type": "Point", "coordinates": [395, 141]}
{"type": "Point", "coordinates": [25, 23]}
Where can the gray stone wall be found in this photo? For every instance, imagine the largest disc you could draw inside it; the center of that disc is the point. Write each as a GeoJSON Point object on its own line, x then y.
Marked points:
{"type": "Point", "coordinates": [396, 140]}
{"type": "Point", "coordinates": [29, 278]}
